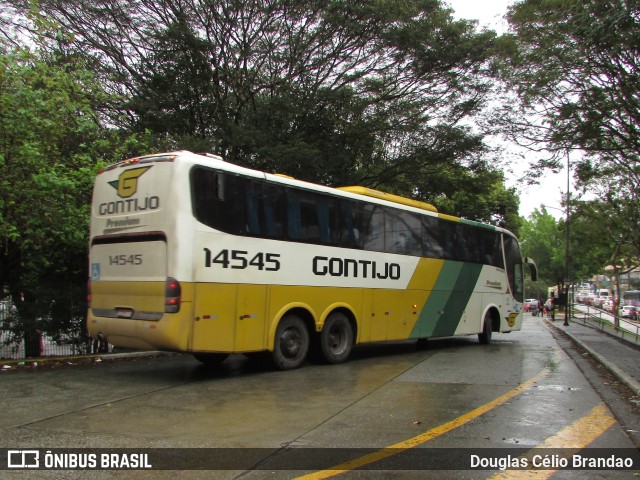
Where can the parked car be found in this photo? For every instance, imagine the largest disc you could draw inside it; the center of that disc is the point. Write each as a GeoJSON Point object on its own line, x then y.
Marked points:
{"type": "Point", "coordinates": [583, 297]}
{"type": "Point", "coordinates": [532, 305]}
{"type": "Point", "coordinates": [598, 302]}
{"type": "Point", "coordinates": [629, 311]}
{"type": "Point", "coordinates": [590, 300]}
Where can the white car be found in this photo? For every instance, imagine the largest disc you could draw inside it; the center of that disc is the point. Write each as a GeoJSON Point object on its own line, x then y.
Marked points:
{"type": "Point", "coordinates": [629, 311]}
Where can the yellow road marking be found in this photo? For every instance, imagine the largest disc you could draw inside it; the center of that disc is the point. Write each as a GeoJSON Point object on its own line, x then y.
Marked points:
{"type": "Point", "coordinates": [423, 437]}
{"type": "Point", "coordinates": [577, 435]}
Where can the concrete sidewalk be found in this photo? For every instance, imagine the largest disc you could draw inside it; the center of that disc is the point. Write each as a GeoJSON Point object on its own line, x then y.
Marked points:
{"type": "Point", "coordinates": [620, 356]}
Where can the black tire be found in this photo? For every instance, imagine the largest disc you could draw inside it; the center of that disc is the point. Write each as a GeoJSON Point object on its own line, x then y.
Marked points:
{"type": "Point", "coordinates": [336, 339]}
{"type": "Point", "coordinates": [211, 359]}
{"type": "Point", "coordinates": [291, 344]}
{"type": "Point", "coordinates": [487, 330]}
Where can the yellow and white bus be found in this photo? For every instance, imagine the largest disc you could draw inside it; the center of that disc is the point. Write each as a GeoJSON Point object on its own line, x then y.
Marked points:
{"type": "Point", "coordinates": [190, 253]}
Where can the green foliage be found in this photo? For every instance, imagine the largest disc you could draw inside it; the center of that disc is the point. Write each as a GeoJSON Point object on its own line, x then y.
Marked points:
{"type": "Point", "coordinates": [594, 243]}
{"type": "Point", "coordinates": [49, 136]}
{"type": "Point", "coordinates": [542, 240]}
{"type": "Point", "coordinates": [47, 124]}
{"type": "Point", "coordinates": [575, 67]}
{"type": "Point", "coordinates": [336, 92]}
{"type": "Point", "coordinates": [376, 93]}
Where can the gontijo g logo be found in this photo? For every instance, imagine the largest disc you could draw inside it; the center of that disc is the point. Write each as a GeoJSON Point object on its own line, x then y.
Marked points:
{"type": "Point", "coordinates": [126, 186]}
{"type": "Point", "coordinates": [127, 183]}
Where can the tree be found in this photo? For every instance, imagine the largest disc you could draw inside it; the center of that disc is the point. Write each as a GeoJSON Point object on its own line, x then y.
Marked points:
{"type": "Point", "coordinates": [574, 66]}
{"type": "Point", "coordinates": [605, 242]}
{"type": "Point", "coordinates": [542, 240]}
{"type": "Point", "coordinates": [331, 91]}
{"type": "Point", "coordinates": [49, 137]}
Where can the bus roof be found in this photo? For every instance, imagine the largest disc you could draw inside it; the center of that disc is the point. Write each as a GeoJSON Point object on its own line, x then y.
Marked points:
{"type": "Point", "coordinates": [349, 191]}
{"type": "Point", "coordinates": [370, 192]}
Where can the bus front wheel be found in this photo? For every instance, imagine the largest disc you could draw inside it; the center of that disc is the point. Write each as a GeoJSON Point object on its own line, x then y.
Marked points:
{"type": "Point", "coordinates": [487, 330]}
{"type": "Point", "coordinates": [291, 344]}
{"type": "Point", "coordinates": [336, 338]}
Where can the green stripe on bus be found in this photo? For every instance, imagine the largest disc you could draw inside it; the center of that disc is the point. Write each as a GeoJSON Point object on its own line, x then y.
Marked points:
{"type": "Point", "coordinates": [478, 224]}
{"type": "Point", "coordinates": [448, 300]}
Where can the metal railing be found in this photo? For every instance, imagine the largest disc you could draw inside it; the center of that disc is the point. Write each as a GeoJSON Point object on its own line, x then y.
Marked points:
{"type": "Point", "coordinates": [14, 348]}
{"type": "Point", "coordinates": [626, 329]}
{"type": "Point", "coordinates": [47, 338]}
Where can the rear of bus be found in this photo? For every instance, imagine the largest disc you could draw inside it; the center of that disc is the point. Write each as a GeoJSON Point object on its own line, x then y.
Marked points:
{"type": "Point", "coordinates": [135, 293]}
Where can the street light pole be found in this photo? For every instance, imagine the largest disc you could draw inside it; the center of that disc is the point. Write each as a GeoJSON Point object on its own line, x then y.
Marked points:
{"type": "Point", "coordinates": [567, 307]}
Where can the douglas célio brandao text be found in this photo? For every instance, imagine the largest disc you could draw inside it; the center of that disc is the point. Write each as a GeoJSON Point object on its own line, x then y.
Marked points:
{"type": "Point", "coordinates": [551, 461]}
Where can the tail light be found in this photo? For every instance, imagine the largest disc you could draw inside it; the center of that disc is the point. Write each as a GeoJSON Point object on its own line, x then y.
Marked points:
{"type": "Point", "coordinates": [172, 296]}
{"type": "Point", "coordinates": [89, 293]}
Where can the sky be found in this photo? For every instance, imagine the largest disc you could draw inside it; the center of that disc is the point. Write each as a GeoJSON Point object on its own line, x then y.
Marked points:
{"type": "Point", "coordinates": [553, 187]}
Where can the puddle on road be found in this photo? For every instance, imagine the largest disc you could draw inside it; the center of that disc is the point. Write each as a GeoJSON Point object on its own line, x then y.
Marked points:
{"type": "Point", "coordinates": [557, 388]}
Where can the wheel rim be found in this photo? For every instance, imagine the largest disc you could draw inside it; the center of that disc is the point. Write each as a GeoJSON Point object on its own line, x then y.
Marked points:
{"type": "Point", "coordinates": [291, 342]}
{"type": "Point", "coordinates": [336, 339]}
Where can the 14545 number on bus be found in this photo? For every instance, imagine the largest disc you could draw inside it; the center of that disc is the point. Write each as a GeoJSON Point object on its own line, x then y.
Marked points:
{"type": "Point", "coordinates": [242, 259]}
{"type": "Point", "coordinates": [124, 260]}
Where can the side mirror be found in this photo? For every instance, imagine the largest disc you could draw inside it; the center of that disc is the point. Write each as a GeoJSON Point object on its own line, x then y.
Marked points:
{"type": "Point", "coordinates": [533, 269]}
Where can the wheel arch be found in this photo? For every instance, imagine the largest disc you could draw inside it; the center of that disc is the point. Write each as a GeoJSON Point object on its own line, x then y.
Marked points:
{"type": "Point", "coordinates": [494, 313]}
{"type": "Point", "coordinates": [304, 311]}
{"type": "Point", "coordinates": [347, 311]}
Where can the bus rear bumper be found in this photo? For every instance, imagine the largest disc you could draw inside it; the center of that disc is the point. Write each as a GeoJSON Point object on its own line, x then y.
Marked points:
{"type": "Point", "coordinates": [169, 333]}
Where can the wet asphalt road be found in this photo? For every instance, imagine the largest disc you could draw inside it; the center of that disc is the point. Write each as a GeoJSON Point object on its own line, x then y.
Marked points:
{"type": "Point", "coordinates": [523, 390]}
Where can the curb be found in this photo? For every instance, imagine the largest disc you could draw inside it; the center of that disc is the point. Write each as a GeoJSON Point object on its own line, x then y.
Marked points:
{"type": "Point", "coordinates": [631, 383]}
{"type": "Point", "coordinates": [69, 358]}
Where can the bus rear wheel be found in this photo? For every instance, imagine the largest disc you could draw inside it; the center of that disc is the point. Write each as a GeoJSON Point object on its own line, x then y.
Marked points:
{"type": "Point", "coordinates": [336, 338]}
{"type": "Point", "coordinates": [487, 330]}
{"type": "Point", "coordinates": [291, 344]}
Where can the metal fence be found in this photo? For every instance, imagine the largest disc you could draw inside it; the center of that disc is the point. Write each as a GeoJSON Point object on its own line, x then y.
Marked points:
{"type": "Point", "coordinates": [48, 336]}
{"type": "Point", "coordinates": [14, 348]}
{"type": "Point", "coordinates": [625, 329]}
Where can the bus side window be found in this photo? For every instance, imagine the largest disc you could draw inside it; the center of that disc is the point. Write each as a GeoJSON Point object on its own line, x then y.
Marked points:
{"type": "Point", "coordinates": [431, 238]}
{"type": "Point", "coordinates": [460, 245]}
{"type": "Point", "coordinates": [350, 223]}
{"type": "Point", "coordinates": [447, 240]}
{"type": "Point", "coordinates": [312, 217]}
{"type": "Point", "coordinates": [373, 228]}
{"type": "Point", "coordinates": [272, 209]}
{"type": "Point", "coordinates": [473, 244]}
{"type": "Point", "coordinates": [265, 214]}
{"type": "Point", "coordinates": [328, 219]}
{"type": "Point", "coordinates": [230, 207]}
{"type": "Point", "coordinates": [203, 191]}
{"type": "Point", "coordinates": [294, 222]}
{"type": "Point", "coordinates": [402, 232]}
{"type": "Point", "coordinates": [491, 248]}
{"type": "Point", "coordinates": [217, 200]}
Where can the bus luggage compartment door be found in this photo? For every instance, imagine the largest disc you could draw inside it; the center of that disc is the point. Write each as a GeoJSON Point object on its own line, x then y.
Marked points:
{"type": "Point", "coordinates": [229, 317]}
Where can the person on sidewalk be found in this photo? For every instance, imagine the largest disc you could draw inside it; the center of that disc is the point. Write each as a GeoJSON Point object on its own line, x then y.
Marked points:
{"type": "Point", "coordinates": [549, 307]}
